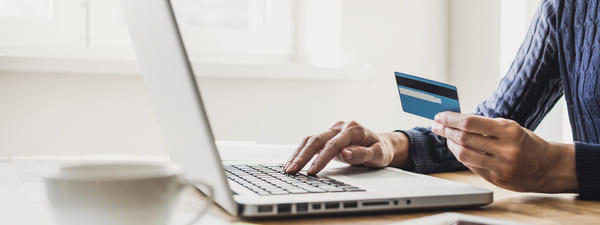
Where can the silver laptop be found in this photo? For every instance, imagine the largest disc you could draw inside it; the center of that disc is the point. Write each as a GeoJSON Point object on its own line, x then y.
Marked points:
{"type": "Point", "coordinates": [259, 190]}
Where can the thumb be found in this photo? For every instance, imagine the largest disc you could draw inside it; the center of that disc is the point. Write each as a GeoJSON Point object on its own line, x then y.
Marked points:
{"type": "Point", "coordinates": [355, 155]}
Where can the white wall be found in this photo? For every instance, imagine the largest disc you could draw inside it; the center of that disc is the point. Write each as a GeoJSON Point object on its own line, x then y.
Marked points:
{"type": "Point", "coordinates": [474, 50]}
{"type": "Point", "coordinates": [75, 114]}
{"type": "Point", "coordinates": [91, 114]}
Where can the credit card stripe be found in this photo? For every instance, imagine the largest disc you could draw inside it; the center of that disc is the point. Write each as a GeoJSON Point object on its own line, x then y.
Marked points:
{"type": "Point", "coordinates": [420, 95]}
{"type": "Point", "coordinates": [427, 87]}
{"type": "Point", "coordinates": [425, 80]}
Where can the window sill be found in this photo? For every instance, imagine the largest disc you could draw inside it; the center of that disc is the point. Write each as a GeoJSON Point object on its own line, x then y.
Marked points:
{"type": "Point", "coordinates": [124, 67]}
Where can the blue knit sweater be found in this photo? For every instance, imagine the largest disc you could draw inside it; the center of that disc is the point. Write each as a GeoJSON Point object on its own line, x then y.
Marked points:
{"type": "Point", "coordinates": [560, 55]}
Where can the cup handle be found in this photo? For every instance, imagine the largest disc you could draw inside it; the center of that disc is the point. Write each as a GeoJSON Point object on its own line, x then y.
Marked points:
{"type": "Point", "coordinates": [208, 191]}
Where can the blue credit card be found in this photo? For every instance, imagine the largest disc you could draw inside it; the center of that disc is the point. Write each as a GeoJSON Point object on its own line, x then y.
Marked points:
{"type": "Point", "coordinates": [424, 97]}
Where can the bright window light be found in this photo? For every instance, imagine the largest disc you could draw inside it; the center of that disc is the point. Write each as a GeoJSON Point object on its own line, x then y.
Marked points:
{"type": "Point", "coordinates": [34, 9]}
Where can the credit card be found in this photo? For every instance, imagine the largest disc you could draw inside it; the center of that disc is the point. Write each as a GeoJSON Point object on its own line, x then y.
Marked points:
{"type": "Point", "coordinates": [424, 97]}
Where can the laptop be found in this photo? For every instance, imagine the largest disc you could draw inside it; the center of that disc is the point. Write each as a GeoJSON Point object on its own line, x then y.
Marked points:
{"type": "Point", "coordinates": [262, 190]}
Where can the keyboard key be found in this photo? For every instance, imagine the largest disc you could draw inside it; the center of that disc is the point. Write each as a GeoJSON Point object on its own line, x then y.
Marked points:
{"type": "Point", "coordinates": [315, 190]}
{"type": "Point", "coordinates": [279, 192]}
{"type": "Point", "coordinates": [350, 187]}
{"type": "Point", "coordinates": [263, 192]}
{"type": "Point", "coordinates": [297, 191]}
{"type": "Point", "coordinates": [355, 189]}
{"type": "Point", "coordinates": [331, 189]}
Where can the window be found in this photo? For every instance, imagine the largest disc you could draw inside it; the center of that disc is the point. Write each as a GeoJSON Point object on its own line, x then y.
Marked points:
{"type": "Point", "coordinates": [36, 26]}
{"type": "Point", "coordinates": [254, 32]}
{"type": "Point", "coordinates": [236, 30]}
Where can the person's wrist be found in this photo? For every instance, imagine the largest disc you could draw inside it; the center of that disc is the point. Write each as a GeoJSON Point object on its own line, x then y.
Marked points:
{"type": "Point", "coordinates": [399, 143]}
{"type": "Point", "coordinates": [561, 176]}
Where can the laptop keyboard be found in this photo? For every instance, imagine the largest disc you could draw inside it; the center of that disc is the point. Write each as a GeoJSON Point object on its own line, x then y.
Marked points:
{"type": "Point", "coordinates": [270, 180]}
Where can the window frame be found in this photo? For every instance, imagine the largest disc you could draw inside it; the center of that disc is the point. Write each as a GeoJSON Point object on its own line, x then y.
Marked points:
{"type": "Point", "coordinates": [115, 56]}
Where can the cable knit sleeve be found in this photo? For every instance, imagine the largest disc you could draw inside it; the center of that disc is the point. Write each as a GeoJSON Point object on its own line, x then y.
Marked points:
{"type": "Point", "coordinates": [529, 90]}
{"type": "Point", "coordinates": [587, 157]}
{"type": "Point", "coordinates": [533, 84]}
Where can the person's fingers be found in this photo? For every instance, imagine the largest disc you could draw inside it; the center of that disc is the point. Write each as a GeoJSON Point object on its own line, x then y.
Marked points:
{"type": "Point", "coordinates": [330, 150]}
{"type": "Point", "coordinates": [375, 156]}
{"type": "Point", "coordinates": [354, 155]}
{"type": "Point", "coordinates": [480, 171]}
{"type": "Point", "coordinates": [484, 173]}
{"type": "Point", "coordinates": [313, 144]}
{"type": "Point", "coordinates": [469, 123]}
{"type": "Point", "coordinates": [470, 140]}
{"type": "Point", "coordinates": [353, 134]}
{"type": "Point", "coordinates": [296, 152]}
{"type": "Point", "coordinates": [371, 156]}
{"type": "Point", "coordinates": [470, 157]}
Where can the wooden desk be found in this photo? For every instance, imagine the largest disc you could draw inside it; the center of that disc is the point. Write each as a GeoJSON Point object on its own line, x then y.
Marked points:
{"type": "Point", "coordinates": [520, 207]}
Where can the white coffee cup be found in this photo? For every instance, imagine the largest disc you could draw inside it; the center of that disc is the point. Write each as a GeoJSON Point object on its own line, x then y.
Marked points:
{"type": "Point", "coordinates": [117, 193]}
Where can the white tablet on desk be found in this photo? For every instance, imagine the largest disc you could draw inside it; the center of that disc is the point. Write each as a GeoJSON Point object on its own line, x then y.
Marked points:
{"type": "Point", "coordinates": [456, 219]}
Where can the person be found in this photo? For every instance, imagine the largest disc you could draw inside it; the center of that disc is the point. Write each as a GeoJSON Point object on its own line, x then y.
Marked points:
{"type": "Point", "coordinates": [559, 56]}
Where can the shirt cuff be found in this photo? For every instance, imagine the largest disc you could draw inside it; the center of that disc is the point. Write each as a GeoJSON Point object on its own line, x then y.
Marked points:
{"type": "Point", "coordinates": [416, 142]}
{"type": "Point", "coordinates": [587, 164]}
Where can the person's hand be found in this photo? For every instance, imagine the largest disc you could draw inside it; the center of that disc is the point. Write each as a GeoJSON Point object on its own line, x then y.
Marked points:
{"type": "Point", "coordinates": [351, 143]}
{"type": "Point", "coordinates": [508, 155]}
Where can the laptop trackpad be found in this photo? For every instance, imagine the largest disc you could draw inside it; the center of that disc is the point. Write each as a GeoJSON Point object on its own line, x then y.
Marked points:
{"type": "Point", "coordinates": [363, 172]}
{"type": "Point", "coordinates": [382, 181]}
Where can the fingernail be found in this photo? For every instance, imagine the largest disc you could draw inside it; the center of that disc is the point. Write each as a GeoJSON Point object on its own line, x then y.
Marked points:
{"type": "Point", "coordinates": [436, 127]}
{"type": "Point", "coordinates": [312, 169]}
{"type": "Point", "coordinates": [437, 117]}
{"type": "Point", "coordinates": [347, 154]}
{"type": "Point", "coordinates": [290, 168]}
{"type": "Point", "coordinates": [284, 168]}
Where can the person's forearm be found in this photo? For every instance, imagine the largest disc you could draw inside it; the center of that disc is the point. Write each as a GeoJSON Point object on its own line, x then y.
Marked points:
{"type": "Point", "coordinates": [563, 178]}
{"type": "Point", "coordinates": [400, 144]}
